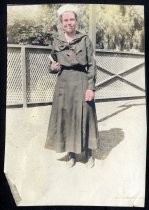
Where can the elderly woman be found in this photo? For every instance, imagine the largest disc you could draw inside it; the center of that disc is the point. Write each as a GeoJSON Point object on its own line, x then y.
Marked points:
{"type": "Point", "coordinates": [73, 122]}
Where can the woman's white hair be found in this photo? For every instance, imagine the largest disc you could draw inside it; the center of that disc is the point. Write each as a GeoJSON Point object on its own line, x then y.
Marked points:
{"type": "Point", "coordinates": [67, 8]}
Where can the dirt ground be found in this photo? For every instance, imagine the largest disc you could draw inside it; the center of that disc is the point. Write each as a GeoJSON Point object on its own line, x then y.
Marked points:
{"type": "Point", "coordinates": [38, 176]}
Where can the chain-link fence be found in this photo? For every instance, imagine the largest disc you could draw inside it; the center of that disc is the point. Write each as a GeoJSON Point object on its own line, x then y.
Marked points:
{"type": "Point", "coordinates": [119, 75]}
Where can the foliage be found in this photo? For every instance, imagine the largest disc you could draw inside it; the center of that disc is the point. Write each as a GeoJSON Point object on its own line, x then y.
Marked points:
{"type": "Point", "coordinates": [118, 27]}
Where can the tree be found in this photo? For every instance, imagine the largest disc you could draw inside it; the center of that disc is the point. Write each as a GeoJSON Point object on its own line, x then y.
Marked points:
{"type": "Point", "coordinates": [118, 27]}
{"type": "Point", "coordinates": [31, 24]}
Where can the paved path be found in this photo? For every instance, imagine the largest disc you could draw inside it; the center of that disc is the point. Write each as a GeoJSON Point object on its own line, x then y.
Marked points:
{"type": "Point", "coordinates": [38, 176]}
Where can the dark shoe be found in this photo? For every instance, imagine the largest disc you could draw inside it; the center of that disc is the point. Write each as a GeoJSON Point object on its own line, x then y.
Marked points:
{"type": "Point", "coordinates": [71, 160]}
{"type": "Point", "coordinates": [91, 162]}
{"type": "Point", "coordinates": [90, 159]}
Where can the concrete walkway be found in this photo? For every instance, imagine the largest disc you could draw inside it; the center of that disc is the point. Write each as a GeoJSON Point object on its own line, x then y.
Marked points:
{"type": "Point", "coordinates": [38, 176]}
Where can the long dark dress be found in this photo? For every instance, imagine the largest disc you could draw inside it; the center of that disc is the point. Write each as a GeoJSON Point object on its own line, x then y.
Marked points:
{"type": "Point", "coordinates": [73, 122]}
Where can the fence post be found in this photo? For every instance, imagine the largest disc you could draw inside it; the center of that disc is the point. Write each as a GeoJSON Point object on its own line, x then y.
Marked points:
{"type": "Point", "coordinates": [92, 24]}
{"type": "Point", "coordinates": [23, 66]}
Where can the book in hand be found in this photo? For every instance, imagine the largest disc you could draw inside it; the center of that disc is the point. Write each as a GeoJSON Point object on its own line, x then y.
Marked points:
{"type": "Point", "coordinates": [53, 59]}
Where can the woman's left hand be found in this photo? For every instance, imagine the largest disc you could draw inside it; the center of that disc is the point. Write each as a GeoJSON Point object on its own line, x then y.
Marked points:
{"type": "Point", "coordinates": [89, 95]}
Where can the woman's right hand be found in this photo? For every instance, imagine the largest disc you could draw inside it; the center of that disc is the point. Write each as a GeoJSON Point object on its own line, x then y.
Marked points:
{"type": "Point", "coordinates": [55, 66]}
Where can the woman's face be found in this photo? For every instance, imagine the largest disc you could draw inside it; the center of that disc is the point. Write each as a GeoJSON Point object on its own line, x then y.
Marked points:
{"type": "Point", "coordinates": [69, 22]}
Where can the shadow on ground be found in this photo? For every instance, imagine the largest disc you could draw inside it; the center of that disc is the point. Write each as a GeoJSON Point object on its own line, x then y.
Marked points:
{"type": "Point", "coordinates": [124, 107]}
{"type": "Point", "coordinates": [108, 139]}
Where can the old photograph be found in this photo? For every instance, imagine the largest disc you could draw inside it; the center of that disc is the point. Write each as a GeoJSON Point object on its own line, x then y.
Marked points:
{"type": "Point", "coordinates": [76, 105]}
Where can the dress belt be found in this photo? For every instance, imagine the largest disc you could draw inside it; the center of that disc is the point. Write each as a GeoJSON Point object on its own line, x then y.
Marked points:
{"type": "Point", "coordinates": [75, 68]}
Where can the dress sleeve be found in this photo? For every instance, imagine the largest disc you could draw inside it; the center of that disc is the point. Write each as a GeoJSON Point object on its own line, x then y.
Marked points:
{"type": "Point", "coordinates": [91, 65]}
